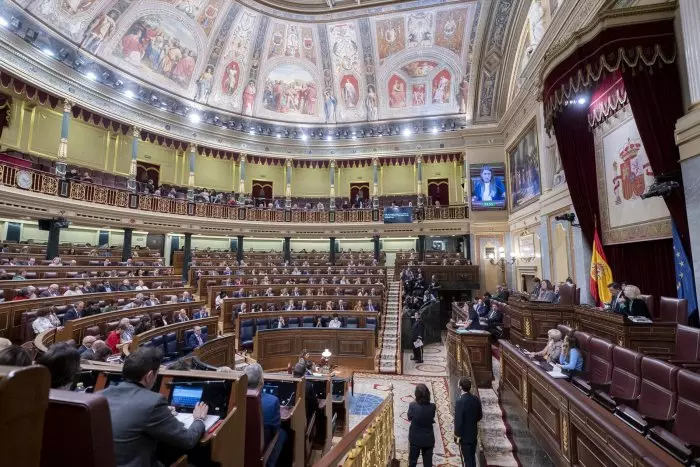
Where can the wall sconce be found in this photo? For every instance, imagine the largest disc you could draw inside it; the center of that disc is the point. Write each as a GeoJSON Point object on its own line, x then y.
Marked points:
{"type": "Point", "coordinates": [501, 260]}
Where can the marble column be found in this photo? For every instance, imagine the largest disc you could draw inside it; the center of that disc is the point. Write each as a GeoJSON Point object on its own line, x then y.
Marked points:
{"type": "Point", "coordinates": [465, 179]}
{"type": "Point", "coordinates": [419, 180]}
{"type": "Point", "coordinates": [547, 146]}
{"type": "Point", "coordinates": [375, 182]}
{"type": "Point", "coordinates": [288, 186]}
{"type": "Point", "coordinates": [331, 200]}
{"type": "Point", "coordinates": [187, 257]}
{"type": "Point", "coordinates": [582, 265]}
{"type": "Point", "coordinates": [190, 179]}
{"type": "Point", "coordinates": [239, 251]}
{"type": "Point", "coordinates": [690, 19]}
{"type": "Point", "coordinates": [126, 245]}
{"type": "Point", "coordinates": [688, 128]}
{"type": "Point", "coordinates": [63, 145]}
{"type": "Point", "coordinates": [53, 241]}
{"type": "Point", "coordinates": [136, 134]}
{"type": "Point", "coordinates": [241, 176]}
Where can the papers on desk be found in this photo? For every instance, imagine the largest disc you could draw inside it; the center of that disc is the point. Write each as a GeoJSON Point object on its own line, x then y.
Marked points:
{"type": "Point", "coordinates": [639, 319]}
{"type": "Point", "coordinates": [187, 419]}
{"type": "Point", "coordinates": [556, 373]}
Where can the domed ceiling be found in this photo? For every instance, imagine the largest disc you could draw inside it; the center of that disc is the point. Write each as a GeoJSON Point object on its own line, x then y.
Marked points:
{"type": "Point", "coordinates": [350, 63]}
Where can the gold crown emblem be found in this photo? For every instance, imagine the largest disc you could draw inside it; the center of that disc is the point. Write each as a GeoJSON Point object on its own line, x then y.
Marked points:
{"type": "Point", "coordinates": [630, 150]}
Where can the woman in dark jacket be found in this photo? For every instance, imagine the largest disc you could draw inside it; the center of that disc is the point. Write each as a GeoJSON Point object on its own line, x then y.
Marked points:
{"type": "Point", "coordinates": [421, 438]}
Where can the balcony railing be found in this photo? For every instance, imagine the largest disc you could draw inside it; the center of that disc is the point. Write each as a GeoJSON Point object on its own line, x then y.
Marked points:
{"type": "Point", "coordinates": [49, 184]}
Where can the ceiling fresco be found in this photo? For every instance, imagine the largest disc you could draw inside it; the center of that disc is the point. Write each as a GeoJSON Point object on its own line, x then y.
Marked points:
{"type": "Point", "coordinates": [384, 63]}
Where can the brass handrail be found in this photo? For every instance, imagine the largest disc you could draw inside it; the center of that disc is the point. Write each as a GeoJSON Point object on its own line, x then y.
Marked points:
{"type": "Point", "coordinates": [370, 444]}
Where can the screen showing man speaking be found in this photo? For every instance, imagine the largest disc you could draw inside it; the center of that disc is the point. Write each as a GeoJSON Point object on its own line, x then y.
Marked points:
{"type": "Point", "coordinates": [398, 215]}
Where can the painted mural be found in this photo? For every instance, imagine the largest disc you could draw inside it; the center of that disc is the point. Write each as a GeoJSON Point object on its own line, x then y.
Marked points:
{"type": "Point", "coordinates": [224, 54]}
{"type": "Point", "coordinates": [397, 92]}
{"type": "Point", "coordinates": [160, 46]}
{"type": "Point", "coordinates": [391, 36]}
{"type": "Point", "coordinates": [449, 29]}
{"type": "Point", "coordinates": [290, 89]}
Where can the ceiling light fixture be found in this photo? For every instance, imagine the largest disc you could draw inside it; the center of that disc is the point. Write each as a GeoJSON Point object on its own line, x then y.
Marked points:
{"type": "Point", "coordinates": [129, 93]}
{"type": "Point", "coordinates": [3, 22]}
{"type": "Point", "coordinates": [329, 138]}
{"type": "Point", "coordinates": [251, 132]}
{"type": "Point", "coordinates": [434, 130]}
{"type": "Point", "coordinates": [581, 100]}
{"type": "Point", "coordinates": [407, 132]}
{"type": "Point", "coordinates": [278, 135]}
{"type": "Point", "coordinates": [91, 76]}
{"type": "Point", "coordinates": [303, 136]}
{"type": "Point", "coordinates": [195, 117]}
{"type": "Point", "coordinates": [48, 51]}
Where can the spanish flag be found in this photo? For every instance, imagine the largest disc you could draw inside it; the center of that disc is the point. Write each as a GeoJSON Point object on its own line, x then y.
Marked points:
{"type": "Point", "coordinates": [601, 275]}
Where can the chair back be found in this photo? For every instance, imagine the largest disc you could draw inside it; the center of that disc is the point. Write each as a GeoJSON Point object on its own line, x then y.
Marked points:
{"type": "Point", "coordinates": [673, 310]}
{"type": "Point", "coordinates": [687, 343]}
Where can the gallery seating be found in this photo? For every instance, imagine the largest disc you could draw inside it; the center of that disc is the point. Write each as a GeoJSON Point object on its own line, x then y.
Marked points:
{"type": "Point", "coordinates": [656, 403]}
{"type": "Point", "coordinates": [626, 379]}
{"type": "Point", "coordinates": [88, 442]}
{"type": "Point", "coordinates": [683, 441]}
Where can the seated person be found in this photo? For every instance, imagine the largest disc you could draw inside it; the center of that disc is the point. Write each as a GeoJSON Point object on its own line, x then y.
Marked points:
{"type": "Point", "coordinates": [309, 395]}
{"type": "Point", "coordinates": [270, 410]}
{"type": "Point", "coordinates": [141, 419]}
{"type": "Point", "coordinates": [629, 303]}
{"type": "Point", "coordinates": [281, 324]}
{"type": "Point", "coordinates": [181, 316]}
{"type": "Point", "coordinates": [15, 355]}
{"type": "Point", "coordinates": [494, 318]}
{"type": "Point", "coordinates": [570, 359]}
{"type": "Point", "coordinates": [63, 362]}
{"type": "Point", "coordinates": [480, 308]}
{"type": "Point", "coordinates": [335, 322]}
{"type": "Point", "coordinates": [88, 341]}
{"type": "Point", "coordinates": [186, 298]}
{"type": "Point", "coordinates": [371, 306]}
{"type": "Point", "coordinates": [114, 340]}
{"type": "Point", "coordinates": [552, 350]}
{"type": "Point", "coordinates": [46, 319]}
{"type": "Point", "coordinates": [547, 293]}
{"type": "Point", "coordinates": [473, 323]}
{"type": "Point", "coordinates": [197, 339]}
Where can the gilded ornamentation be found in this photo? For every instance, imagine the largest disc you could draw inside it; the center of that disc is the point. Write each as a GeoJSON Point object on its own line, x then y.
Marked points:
{"type": "Point", "coordinates": [528, 328]}
{"type": "Point", "coordinates": [565, 435]}
{"type": "Point", "coordinates": [122, 199]}
{"type": "Point", "coordinates": [99, 195]}
{"type": "Point", "coordinates": [524, 393]}
{"type": "Point", "coordinates": [77, 191]}
{"type": "Point", "coordinates": [620, 341]}
{"type": "Point", "coordinates": [49, 185]}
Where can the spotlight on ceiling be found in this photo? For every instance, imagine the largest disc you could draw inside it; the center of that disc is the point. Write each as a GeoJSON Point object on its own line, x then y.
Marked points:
{"type": "Point", "coordinates": [407, 132]}
{"type": "Point", "coordinates": [278, 135]}
{"type": "Point", "coordinates": [48, 51]}
{"type": "Point", "coordinates": [129, 93]}
{"type": "Point", "coordinates": [303, 136]}
{"type": "Point", "coordinates": [194, 117]}
{"type": "Point", "coordinates": [251, 132]}
{"type": "Point", "coordinates": [3, 22]}
{"type": "Point", "coordinates": [93, 77]}
{"type": "Point", "coordinates": [434, 130]}
{"type": "Point", "coordinates": [581, 100]}
{"type": "Point", "coordinates": [329, 138]}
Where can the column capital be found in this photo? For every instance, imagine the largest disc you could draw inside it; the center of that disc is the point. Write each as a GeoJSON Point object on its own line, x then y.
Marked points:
{"type": "Point", "coordinates": [193, 148]}
{"type": "Point", "coordinates": [375, 161]}
{"type": "Point", "coordinates": [419, 159]}
{"type": "Point", "coordinates": [67, 105]}
{"type": "Point", "coordinates": [332, 163]}
{"type": "Point", "coordinates": [288, 162]}
{"type": "Point", "coordinates": [135, 131]}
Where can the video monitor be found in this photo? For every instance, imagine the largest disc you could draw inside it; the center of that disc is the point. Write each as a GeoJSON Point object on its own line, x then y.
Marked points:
{"type": "Point", "coordinates": [488, 186]}
{"type": "Point", "coordinates": [398, 215]}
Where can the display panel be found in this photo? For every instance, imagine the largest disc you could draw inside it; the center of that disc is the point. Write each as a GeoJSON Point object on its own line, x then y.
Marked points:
{"type": "Point", "coordinates": [398, 215]}
{"type": "Point", "coordinates": [488, 184]}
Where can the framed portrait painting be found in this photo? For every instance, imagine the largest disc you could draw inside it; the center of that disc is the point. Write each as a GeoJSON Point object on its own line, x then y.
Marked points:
{"type": "Point", "coordinates": [524, 170]}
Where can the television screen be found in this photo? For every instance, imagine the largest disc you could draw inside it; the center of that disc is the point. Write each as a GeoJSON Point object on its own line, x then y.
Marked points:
{"type": "Point", "coordinates": [488, 185]}
{"type": "Point", "coordinates": [398, 215]}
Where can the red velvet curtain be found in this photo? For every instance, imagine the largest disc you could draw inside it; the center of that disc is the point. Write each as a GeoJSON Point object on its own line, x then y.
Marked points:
{"type": "Point", "coordinates": [648, 265]}
{"type": "Point", "coordinates": [655, 98]}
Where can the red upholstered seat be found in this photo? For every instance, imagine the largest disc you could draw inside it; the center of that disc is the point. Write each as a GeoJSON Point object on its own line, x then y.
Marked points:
{"type": "Point", "coordinates": [626, 379]}
{"type": "Point", "coordinates": [600, 366]}
{"type": "Point", "coordinates": [674, 310]}
{"type": "Point", "coordinates": [88, 442]}
{"type": "Point", "coordinates": [649, 300]}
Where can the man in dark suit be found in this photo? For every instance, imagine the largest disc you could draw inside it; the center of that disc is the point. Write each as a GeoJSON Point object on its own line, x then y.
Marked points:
{"type": "Point", "coordinates": [615, 293]}
{"type": "Point", "coordinates": [371, 306]}
{"type": "Point", "coordinates": [197, 339]}
{"type": "Point", "coordinates": [271, 412]}
{"type": "Point", "coordinates": [494, 319]}
{"type": "Point", "coordinates": [126, 286]}
{"type": "Point", "coordinates": [74, 312]}
{"type": "Point", "coordinates": [105, 287]}
{"type": "Point", "coordinates": [87, 345]}
{"type": "Point", "coordinates": [467, 416]}
{"type": "Point", "coordinates": [417, 334]}
{"type": "Point", "coordinates": [88, 288]}
{"type": "Point", "coordinates": [141, 419]}
{"type": "Point", "coordinates": [51, 291]}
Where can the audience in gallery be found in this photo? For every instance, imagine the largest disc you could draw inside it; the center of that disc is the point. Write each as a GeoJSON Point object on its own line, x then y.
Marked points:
{"type": "Point", "coordinates": [63, 362]}
{"type": "Point", "coordinates": [143, 425]}
{"type": "Point", "coordinates": [14, 355]}
{"type": "Point", "coordinates": [421, 434]}
{"type": "Point", "coordinates": [552, 351]}
{"type": "Point", "coordinates": [271, 412]}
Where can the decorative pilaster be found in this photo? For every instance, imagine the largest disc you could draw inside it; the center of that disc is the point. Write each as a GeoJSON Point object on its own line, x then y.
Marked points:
{"type": "Point", "coordinates": [241, 177]}
{"type": "Point", "coordinates": [63, 145]}
{"type": "Point", "coordinates": [375, 182]}
{"type": "Point", "coordinates": [690, 19]}
{"type": "Point", "coordinates": [419, 179]}
{"type": "Point", "coordinates": [331, 201]}
{"type": "Point", "coordinates": [131, 183]}
{"type": "Point", "coordinates": [288, 187]}
{"type": "Point", "coordinates": [190, 179]}
{"type": "Point", "coordinates": [465, 179]}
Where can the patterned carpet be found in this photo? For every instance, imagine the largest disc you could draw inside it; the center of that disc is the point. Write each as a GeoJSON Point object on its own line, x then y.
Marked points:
{"type": "Point", "coordinates": [371, 389]}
